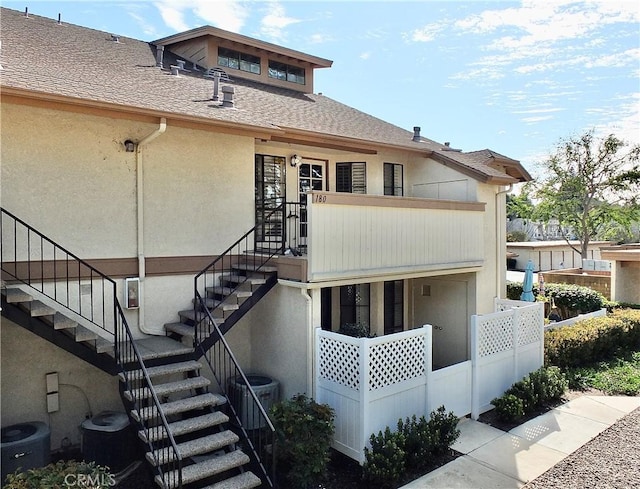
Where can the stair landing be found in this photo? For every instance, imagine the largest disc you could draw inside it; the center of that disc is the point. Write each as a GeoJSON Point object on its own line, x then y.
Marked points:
{"type": "Point", "coordinates": [161, 347]}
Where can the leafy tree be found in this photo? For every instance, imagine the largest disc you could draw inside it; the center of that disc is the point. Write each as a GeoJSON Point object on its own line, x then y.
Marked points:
{"type": "Point", "coordinates": [520, 205]}
{"type": "Point", "coordinates": [591, 186]}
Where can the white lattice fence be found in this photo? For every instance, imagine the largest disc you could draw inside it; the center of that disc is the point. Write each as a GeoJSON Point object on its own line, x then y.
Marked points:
{"type": "Point", "coordinates": [506, 346]}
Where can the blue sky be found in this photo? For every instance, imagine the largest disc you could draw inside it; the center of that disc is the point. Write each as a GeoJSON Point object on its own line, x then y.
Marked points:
{"type": "Point", "coordinates": [515, 77]}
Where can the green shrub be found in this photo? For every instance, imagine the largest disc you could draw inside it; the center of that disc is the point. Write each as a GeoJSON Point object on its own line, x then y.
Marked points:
{"type": "Point", "coordinates": [509, 407]}
{"type": "Point", "coordinates": [570, 299]}
{"type": "Point", "coordinates": [356, 330]}
{"type": "Point", "coordinates": [385, 461]}
{"type": "Point", "coordinates": [536, 390]}
{"type": "Point", "coordinates": [444, 430]}
{"type": "Point", "coordinates": [593, 339]}
{"type": "Point", "coordinates": [67, 473]}
{"type": "Point", "coordinates": [304, 431]}
{"type": "Point", "coordinates": [417, 441]}
{"type": "Point", "coordinates": [413, 446]}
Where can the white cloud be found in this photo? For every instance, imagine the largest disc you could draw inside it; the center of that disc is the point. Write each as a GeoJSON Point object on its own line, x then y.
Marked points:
{"type": "Point", "coordinates": [273, 24]}
{"type": "Point", "coordinates": [424, 34]}
{"type": "Point", "coordinates": [533, 120]}
{"type": "Point", "coordinates": [365, 55]}
{"type": "Point", "coordinates": [224, 14]}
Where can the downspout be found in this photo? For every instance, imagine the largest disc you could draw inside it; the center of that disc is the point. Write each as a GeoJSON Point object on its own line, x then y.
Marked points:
{"type": "Point", "coordinates": [498, 266]}
{"type": "Point", "coordinates": [140, 215]}
{"type": "Point", "coordinates": [310, 344]}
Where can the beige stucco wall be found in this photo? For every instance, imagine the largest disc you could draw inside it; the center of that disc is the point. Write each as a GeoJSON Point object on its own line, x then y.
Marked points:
{"type": "Point", "coordinates": [26, 358]}
{"type": "Point", "coordinates": [280, 339]}
{"type": "Point", "coordinates": [491, 279]}
{"type": "Point", "coordinates": [625, 281]}
{"type": "Point", "coordinates": [74, 181]}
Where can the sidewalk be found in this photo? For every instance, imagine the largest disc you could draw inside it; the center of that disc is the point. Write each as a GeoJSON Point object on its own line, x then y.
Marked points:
{"type": "Point", "coordinates": [494, 459]}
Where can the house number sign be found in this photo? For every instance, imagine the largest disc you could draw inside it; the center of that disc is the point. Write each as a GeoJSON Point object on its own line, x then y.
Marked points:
{"type": "Point", "coordinates": [319, 199]}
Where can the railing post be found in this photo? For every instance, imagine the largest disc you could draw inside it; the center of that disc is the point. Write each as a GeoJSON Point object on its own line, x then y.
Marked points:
{"type": "Point", "coordinates": [515, 324]}
{"type": "Point", "coordinates": [475, 387]}
{"type": "Point", "coordinates": [428, 367]}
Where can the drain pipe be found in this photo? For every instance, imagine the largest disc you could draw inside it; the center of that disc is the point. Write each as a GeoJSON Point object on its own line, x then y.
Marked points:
{"type": "Point", "coordinates": [498, 266]}
{"type": "Point", "coordinates": [311, 335]}
{"type": "Point", "coordinates": [140, 216]}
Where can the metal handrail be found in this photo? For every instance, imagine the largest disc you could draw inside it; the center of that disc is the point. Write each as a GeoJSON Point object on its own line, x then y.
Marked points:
{"type": "Point", "coordinates": [261, 441]}
{"type": "Point", "coordinates": [55, 278]}
{"type": "Point", "coordinates": [210, 276]}
{"type": "Point", "coordinates": [55, 272]}
{"type": "Point", "coordinates": [127, 353]}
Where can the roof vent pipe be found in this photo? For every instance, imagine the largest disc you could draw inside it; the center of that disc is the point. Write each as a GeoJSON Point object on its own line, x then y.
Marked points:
{"type": "Point", "coordinates": [447, 144]}
{"type": "Point", "coordinates": [115, 38]}
{"type": "Point", "coordinates": [227, 96]}
{"type": "Point", "coordinates": [159, 56]}
{"type": "Point", "coordinates": [26, 11]}
{"type": "Point", "coordinates": [216, 83]}
{"type": "Point", "coordinates": [59, 19]}
{"type": "Point", "coordinates": [180, 64]}
{"type": "Point", "coordinates": [416, 133]}
{"type": "Point", "coordinates": [175, 70]}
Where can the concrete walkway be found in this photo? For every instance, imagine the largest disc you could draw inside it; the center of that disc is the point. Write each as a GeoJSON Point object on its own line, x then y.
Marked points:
{"type": "Point", "coordinates": [494, 459]}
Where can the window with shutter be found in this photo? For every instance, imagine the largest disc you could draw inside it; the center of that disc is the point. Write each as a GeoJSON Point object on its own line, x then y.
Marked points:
{"type": "Point", "coordinates": [351, 177]}
{"type": "Point", "coordinates": [393, 179]}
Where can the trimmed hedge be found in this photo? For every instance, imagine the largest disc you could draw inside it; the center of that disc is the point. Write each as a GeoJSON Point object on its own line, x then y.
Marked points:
{"type": "Point", "coordinates": [592, 340]}
{"type": "Point", "coordinates": [570, 299]}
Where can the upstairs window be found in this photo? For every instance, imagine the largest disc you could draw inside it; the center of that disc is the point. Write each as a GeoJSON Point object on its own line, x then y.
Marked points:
{"type": "Point", "coordinates": [285, 72]}
{"type": "Point", "coordinates": [238, 61]}
{"type": "Point", "coordinates": [351, 177]}
{"type": "Point", "coordinates": [393, 179]}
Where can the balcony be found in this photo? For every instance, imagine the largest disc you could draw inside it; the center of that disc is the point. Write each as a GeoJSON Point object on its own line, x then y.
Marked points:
{"type": "Point", "coordinates": [340, 236]}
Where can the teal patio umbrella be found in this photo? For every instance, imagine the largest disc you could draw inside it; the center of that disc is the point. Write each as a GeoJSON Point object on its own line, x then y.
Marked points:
{"type": "Point", "coordinates": [527, 284]}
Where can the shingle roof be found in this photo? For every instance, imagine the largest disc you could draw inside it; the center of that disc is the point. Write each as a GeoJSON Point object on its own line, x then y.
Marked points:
{"type": "Point", "coordinates": [40, 56]}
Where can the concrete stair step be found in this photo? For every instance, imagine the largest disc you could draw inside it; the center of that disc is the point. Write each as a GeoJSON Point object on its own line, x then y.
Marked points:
{"type": "Point", "coordinates": [227, 291]}
{"type": "Point", "coordinates": [190, 315]}
{"type": "Point", "coordinates": [204, 469]}
{"type": "Point", "coordinates": [168, 388]}
{"type": "Point", "coordinates": [236, 278]}
{"type": "Point", "coordinates": [190, 448]}
{"type": "Point", "coordinates": [16, 295]}
{"type": "Point", "coordinates": [214, 303]}
{"type": "Point", "coordinates": [246, 480]}
{"type": "Point", "coordinates": [248, 267]}
{"type": "Point", "coordinates": [180, 406]}
{"type": "Point", "coordinates": [39, 309]}
{"type": "Point", "coordinates": [185, 426]}
{"type": "Point", "coordinates": [166, 369]}
{"type": "Point", "coordinates": [83, 334]}
{"type": "Point", "coordinates": [60, 321]}
{"type": "Point", "coordinates": [103, 346]}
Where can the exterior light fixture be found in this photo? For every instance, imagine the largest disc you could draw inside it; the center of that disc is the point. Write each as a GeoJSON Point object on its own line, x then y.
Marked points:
{"type": "Point", "coordinates": [295, 160]}
{"type": "Point", "coordinates": [129, 146]}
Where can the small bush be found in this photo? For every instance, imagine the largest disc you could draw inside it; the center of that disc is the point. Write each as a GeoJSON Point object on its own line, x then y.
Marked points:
{"type": "Point", "coordinates": [414, 446]}
{"type": "Point", "coordinates": [304, 429]}
{"type": "Point", "coordinates": [509, 407]}
{"type": "Point", "coordinates": [62, 474]}
{"type": "Point", "coordinates": [570, 299]}
{"type": "Point", "coordinates": [593, 339]}
{"type": "Point", "coordinates": [385, 461]}
{"type": "Point", "coordinates": [444, 430]}
{"type": "Point", "coordinates": [536, 390]}
{"type": "Point", "coordinates": [356, 330]}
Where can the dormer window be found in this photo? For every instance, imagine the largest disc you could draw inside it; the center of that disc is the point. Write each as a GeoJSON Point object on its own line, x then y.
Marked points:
{"type": "Point", "coordinates": [283, 71]}
{"type": "Point", "coordinates": [238, 61]}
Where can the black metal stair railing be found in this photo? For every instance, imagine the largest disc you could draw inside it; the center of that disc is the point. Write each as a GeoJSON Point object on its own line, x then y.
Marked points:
{"type": "Point", "coordinates": [31, 258]}
{"type": "Point", "coordinates": [297, 223]}
{"type": "Point", "coordinates": [244, 253]}
{"type": "Point", "coordinates": [249, 417]}
{"type": "Point", "coordinates": [143, 398]}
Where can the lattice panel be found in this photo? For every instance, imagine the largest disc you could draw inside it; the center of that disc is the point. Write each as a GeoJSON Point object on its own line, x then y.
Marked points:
{"type": "Point", "coordinates": [396, 361]}
{"type": "Point", "coordinates": [340, 362]}
{"type": "Point", "coordinates": [529, 329]}
{"type": "Point", "coordinates": [495, 335]}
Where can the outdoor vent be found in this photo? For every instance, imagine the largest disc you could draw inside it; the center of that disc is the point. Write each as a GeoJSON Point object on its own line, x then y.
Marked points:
{"type": "Point", "coordinates": [115, 38]}
{"type": "Point", "coordinates": [217, 74]}
{"type": "Point", "coordinates": [181, 63]}
{"type": "Point", "coordinates": [59, 19]}
{"type": "Point", "coordinates": [416, 134]}
{"type": "Point", "coordinates": [447, 147]}
{"type": "Point", "coordinates": [227, 96]}
{"type": "Point", "coordinates": [159, 56]}
{"type": "Point", "coordinates": [26, 12]}
{"type": "Point", "coordinates": [175, 70]}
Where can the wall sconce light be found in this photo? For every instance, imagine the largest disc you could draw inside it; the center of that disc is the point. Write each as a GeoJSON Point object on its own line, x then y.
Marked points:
{"type": "Point", "coordinates": [295, 160]}
{"type": "Point", "coordinates": [129, 146]}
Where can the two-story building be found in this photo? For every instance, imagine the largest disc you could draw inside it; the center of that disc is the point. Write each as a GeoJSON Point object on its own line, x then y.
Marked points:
{"type": "Point", "coordinates": [148, 161]}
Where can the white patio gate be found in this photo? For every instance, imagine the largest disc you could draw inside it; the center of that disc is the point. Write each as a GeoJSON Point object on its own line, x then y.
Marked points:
{"type": "Point", "coordinates": [373, 382]}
